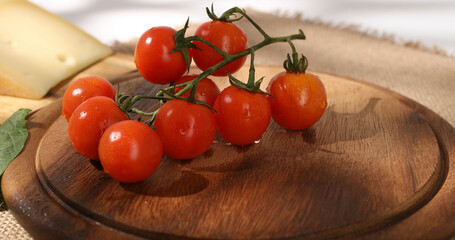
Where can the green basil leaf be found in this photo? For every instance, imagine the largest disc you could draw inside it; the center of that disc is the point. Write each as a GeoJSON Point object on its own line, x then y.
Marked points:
{"type": "Point", "coordinates": [13, 135]}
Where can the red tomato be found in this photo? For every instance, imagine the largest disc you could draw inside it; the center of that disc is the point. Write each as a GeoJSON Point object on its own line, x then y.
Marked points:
{"type": "Point", "coordinates": [89, 121]}
{"type": "Point", "coordinates": [226, 36]}
{"type": "Point", "coordinates": [242, 116]}
{"type": "Point", "coordinates": [206, 90]}
{"type": "Point", "coordinates": [186, 129]}
{"type": "Point", "coordinates": [130, 151]}
{"type": "Point", "coordinates": [299, 99]}
{"type": "Point", "coordinates": [153, 59]}
{"type": "Point", "coordinates": [83, 89]}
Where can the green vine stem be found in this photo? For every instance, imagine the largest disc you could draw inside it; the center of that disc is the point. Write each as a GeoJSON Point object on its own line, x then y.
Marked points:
{"type": "Point", "coordinates": [228, 58]}
{"type": "Point", "coordinates": [243, 13]}
{"type": "Point", "coordinates": [252, 85]}
{"type": "Point", "coordinates": [184, 43]}
{"type": "Point", "coordinates": [226, 17]}
{"type": "Point", "coordinates": [126, 103]}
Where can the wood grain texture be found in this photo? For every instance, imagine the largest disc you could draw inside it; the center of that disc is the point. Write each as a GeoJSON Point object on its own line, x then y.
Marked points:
{"type": "Point", "coordinates": [112, 66]}
{"type": "Point", "coordinates": [376, 166]}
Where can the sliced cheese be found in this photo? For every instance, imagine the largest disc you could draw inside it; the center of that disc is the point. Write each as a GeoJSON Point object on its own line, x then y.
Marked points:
{"type": "Point", "coordinates": [39, 49]}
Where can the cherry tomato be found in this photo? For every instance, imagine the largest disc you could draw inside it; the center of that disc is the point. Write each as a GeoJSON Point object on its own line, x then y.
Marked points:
{"type": "Point", "coordinates": [83, 89]}
{"type": "Point", "coordinates": [242, 116]}
{"type": "Point", "coordinates": [130, 151]}
{"type": "Point", "coordinates": [88, 122]}
{"type": "Point", "coordinates": [206, 90]}
{"type": "Point", "coordinates": [299, 99]}
{"type": "Point", "coordinates": [186, 129]}
{"type": "Point", "coordinates": [226, 36]}
{"type": "Point", "coordinates": [153, 59]}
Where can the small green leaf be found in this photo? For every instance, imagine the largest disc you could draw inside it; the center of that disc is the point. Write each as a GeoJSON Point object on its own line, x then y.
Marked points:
{"type": "Point", "coordinates": [12, 137]}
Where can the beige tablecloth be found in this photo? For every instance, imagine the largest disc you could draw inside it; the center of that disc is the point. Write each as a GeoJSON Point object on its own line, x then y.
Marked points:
{"type": "Point", "coordinates": [425, 75]}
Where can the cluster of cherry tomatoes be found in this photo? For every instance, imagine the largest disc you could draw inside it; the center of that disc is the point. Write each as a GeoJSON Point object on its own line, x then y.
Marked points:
{"type": "Point", "coordinates": [130, 151]}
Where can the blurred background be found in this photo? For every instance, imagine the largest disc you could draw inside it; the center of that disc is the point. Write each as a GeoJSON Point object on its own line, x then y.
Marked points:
{"type": "Point", "coordinates": [429, 22]}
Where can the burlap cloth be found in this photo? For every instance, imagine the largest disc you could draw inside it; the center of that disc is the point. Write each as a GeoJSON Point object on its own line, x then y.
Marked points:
{"type": "Point", "coordinates": [425, 75]}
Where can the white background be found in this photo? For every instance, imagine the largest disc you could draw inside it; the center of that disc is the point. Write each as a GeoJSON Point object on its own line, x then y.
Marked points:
{"type": "Point", "coordinates": [430, 22]}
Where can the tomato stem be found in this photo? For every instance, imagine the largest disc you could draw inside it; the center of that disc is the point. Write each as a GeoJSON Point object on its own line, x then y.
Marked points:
{"type": "Point", "coordinates": [243, 13]}
{"type": "Point", "coordinates": [228, 58]}
{"type": "Point", "coordinates": [225, 17]}
{"type": "Point", "coordinates": [152, 115]}
{"type": "Point", "coordinates": [135, 110]}
{"type": "Point", "coordinates": [197, 38]}
{"type": "Point", "coordinates": [295, 65]}
{"type": "Point", "coordinates": [250, 83]}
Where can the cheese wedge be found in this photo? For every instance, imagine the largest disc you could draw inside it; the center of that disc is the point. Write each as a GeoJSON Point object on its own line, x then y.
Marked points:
{"type": "Point", "coordinates": [39, 49]}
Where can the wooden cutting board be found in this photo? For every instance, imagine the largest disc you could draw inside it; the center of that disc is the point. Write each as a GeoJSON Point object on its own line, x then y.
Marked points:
{"type": "Point", "coordinates": [376, 166]}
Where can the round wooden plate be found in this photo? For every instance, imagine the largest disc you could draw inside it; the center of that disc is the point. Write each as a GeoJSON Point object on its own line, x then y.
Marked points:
{"type": "Point", "coordinates": [376, 166]}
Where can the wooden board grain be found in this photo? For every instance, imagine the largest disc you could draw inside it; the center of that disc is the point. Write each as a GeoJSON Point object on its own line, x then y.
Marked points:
{"type": "Point", "coordinates": [376, 166]}
{"type": "Point", "coordinates": [109, 67]}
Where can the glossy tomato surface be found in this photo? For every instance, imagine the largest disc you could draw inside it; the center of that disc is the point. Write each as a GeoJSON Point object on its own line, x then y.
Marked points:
{"type": "Point", "coordinates": [89, 121]}
{"type": "Point", "coordinates": [130, 151]}
{"type": "Point", "coordinates": [186, 129]}
{"type": "Point", "coordinates": [242, 116]}
{"type": "Point", "coordinates": [153, 59]}
{"type": "Point", "coordinates": [83, 89]}
{"type": "Point", "coordinates": [206, 90]}
{"type": "Point", "coordinates": [226, 36]}
{"type": "Point", "coordinates": [298, 99]}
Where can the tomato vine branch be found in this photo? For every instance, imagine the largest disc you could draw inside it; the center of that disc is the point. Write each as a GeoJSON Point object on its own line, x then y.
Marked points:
{"type": "Point", "coordinates": [199, 39]}
{"type": "Point", "coordinates": [182, 44]}
{"type": "Point", "coordinates": [243, 13]}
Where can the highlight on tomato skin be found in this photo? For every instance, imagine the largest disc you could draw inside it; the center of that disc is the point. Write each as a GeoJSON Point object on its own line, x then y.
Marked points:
{"type": "Point", "coordinates": [130, 151]}
{"type": "Point", "coordinates": [89, 121]}
{"type": "Point", "coordinates": [206, 90]}
{"type": "Point", "coordinates": [242, 117]}
{"type": "Point", "coordinates": [298, 99]}
{"type": "Point", "coordinates": [153, 59]}
{"type": "Point", "coordinates": [186, 129]}
{"type": "Point", "coordinates": [226, 36]}
{"type": "Point", "coordinates": [83, 89]}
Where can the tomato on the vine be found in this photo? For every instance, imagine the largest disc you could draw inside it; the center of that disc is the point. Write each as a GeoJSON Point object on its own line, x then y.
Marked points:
{"type": "Point", "coordinates": [298, 99]}
{"type": "Point", "coordinates": [153, 59]}
{"type": "Point", "coordinates": [186, 129]}
{"type": "Point", "coordinates": [130, 151]}
{"type": "Point", "coordinates": [242, 116]}
{"type": "Point", "coordinates": [224, 35]}
{"type": "Point", "coordinates": [83, 89]}
{"type": "Point", "coordinates": [88, 122]}
{"type": "Point", "coordinates": [206, 90]}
